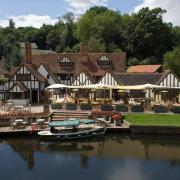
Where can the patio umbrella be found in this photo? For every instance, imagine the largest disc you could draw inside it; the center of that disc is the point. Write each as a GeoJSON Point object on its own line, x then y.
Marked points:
{"type": "Point", "coordinates": [56, 86]}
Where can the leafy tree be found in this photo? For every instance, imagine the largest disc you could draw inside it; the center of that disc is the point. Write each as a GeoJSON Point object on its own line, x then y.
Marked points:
{"type": "Point", "coordinates": [176, 36]}
{"type": "Point", "coordinates": [11, 24]}
{"type": "Point", "coordinates": [53, 39]}
{"type": "Point", "coordinates": [172, 60]}
{"type": "Point", "coordinates": [147, 35]}
{"type": "Point", "coordinates": [100, 23]}
{"type": "Point", "coordinates": [132, 62]}
{"type": "Point", "coordinates": [96, 45]}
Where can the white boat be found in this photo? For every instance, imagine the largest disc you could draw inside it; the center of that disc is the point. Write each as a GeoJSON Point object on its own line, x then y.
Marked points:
{"type": "Point", "coordinates": [72, 129]}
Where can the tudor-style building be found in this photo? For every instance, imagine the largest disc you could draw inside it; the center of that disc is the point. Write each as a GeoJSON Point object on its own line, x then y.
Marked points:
{"type": "Point", "coordinates": [28, 81]}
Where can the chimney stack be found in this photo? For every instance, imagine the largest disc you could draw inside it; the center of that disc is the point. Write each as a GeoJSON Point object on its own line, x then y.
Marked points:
{"type": "Point", "coordinates": [83, 49]}
{"type": "Point", "coordinates": [28, 53]}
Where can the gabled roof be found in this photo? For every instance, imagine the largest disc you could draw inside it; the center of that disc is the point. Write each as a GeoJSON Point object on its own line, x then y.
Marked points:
{"type": "Point", "coordinates": [144, 68]}
{"type": "Point", "coordinates": [139, 78]}
{"type": "Point", "coordinates": [36, 74]}
{"type": "Point", "coordinates": [88, 75]}
{"type": "Point", "coordinates": [31, 68]}
{"type": "Point", "coordinates": [54, 77]}
{"type": "Point", "coordinates": [82, 62]}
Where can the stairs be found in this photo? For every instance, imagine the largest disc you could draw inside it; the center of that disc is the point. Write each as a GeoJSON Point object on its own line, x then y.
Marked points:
{"type": "Point", "coordinates": [60, 116]}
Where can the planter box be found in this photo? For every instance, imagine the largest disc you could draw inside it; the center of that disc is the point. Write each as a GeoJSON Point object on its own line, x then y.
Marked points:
{"type": "Point", "coordinates": [71, 106]}
{"type": "Point", "coordinates": [121, 108]}
{"type": "Point", "coordinates": [106, 107]}
{"type": "Point", "coordinates": [137, 108]}
{"type": "Point", "coordinates": [176, 109]}
{"type": "Point", "coordinates": [56, 106]}
{"type": "Point", "coordinates": [160, 109]}
{"type": "Point", "coordinates": [86, 107]}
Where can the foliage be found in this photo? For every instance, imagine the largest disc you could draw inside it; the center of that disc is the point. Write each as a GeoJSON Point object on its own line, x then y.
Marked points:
{"type": "Point", "coordinates": [96, 45]}
{"type": "Point", "coordinates": [147, 35]}
{"type": "Point", "coordinates": [143, 35]}
{"type": "Point", "coordinates": [100, 23]}
{"type": "Point", "coordinates": [172, 60]}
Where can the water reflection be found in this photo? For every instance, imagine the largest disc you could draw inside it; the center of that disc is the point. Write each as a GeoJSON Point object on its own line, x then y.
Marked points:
{"type": "Point", "coordinates": [112, 157]}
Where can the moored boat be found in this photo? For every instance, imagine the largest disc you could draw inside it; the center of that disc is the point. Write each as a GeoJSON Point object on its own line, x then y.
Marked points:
{"type": "Point", "coordinates": [73, 129]}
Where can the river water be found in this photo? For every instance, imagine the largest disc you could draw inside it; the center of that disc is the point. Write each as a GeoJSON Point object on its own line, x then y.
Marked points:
{"type": "Point", "coordinates": [115, 157]}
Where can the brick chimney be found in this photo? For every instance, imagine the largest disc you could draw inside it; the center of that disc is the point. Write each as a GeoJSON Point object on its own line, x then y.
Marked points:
{"type": "Point", "coordinates": [28, 53]}
{"type": "Point", "coordinates": [83, 49]}
{"type": "Point", "coordinates": [83, 53]}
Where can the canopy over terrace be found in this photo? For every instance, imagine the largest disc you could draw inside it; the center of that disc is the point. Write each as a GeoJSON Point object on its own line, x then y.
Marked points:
{"type": "Point", "coordinates": [110, 87]}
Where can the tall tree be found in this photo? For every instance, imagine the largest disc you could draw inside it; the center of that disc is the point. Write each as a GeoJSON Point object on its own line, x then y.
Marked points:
{"type": "Point", "coordinates": [172, 60]}
{"type": "Point", "coordinates": [11, 24]}
{"type": "Point", "coordinates": [100, 23]}
{"type": "Point", "coordinates": [147, 35]}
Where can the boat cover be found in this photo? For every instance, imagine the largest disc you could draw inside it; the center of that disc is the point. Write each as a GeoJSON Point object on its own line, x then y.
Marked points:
{"type": "Point", "coordinates": [64, 123]}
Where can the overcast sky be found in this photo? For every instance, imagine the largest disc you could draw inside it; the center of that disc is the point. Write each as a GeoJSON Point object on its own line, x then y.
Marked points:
{"type": "Point", "coordinates": [36, 12]}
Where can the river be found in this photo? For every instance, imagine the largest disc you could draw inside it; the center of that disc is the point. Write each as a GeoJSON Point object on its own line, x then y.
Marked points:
{"type": "Point", "coordinates": [114, 157]}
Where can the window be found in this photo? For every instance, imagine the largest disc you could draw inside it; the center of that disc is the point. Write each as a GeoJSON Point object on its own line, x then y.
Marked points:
{"type": "Point", "coordinates": [65, 62]}
{"type": "Point", "coordinates": [104, 61]}
{"type": "Point", "coordinates": [23, 77]}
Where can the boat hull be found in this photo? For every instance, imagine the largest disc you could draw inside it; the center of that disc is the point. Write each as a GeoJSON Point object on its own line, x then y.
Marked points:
{"type": "Point", "coordinates": [73, 135]}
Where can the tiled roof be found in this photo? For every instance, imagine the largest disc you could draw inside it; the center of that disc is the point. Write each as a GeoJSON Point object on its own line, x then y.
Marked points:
{"type": "Point", "coordinates": [36, 74]}
{"type": "Point", "coordinates": [139, 78]}
{"type": "Point", "coordinates": [54, 77]}
{"type": "Point", "coordinates": [144, 68]}
{"type": "Point", "coordinates": [81, 62]}
{"type": "Point", "coordinates": [13, 71]}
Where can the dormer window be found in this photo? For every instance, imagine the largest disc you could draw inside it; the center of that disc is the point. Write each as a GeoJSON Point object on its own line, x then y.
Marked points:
{"type": "Point", "coordinates": [65, 62]}
{"type": "Point", "coordinates": [104, 61]}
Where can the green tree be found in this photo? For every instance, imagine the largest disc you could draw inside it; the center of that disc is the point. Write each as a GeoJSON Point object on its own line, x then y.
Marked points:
{"type": "Point", "coordinates": [172, 60]}
{"type": "Point", "coordinates": [147, 35]}
{"type": "Point", "coordinates": [53, 39]}
{"type": "Point", "coordinates": [96, 45]}
{"type": "Point", "coordinates": [176, 36]}
{"type": "Point", "coordinates": [100, 23]}
{"type": "Point", "coordinates": [11, 24]}
{"type": "Point", "coordinates": [13, 58]}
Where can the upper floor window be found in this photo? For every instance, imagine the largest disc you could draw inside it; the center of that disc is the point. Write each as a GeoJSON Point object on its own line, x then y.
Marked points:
{"type": "Point", "coordinates": [65, 62]}
{"type": "Point", "coordinates": [104, 61]}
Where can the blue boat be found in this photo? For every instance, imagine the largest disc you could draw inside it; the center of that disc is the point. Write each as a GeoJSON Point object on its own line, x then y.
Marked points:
{"type": "Point", "coordinates": [73, 129]}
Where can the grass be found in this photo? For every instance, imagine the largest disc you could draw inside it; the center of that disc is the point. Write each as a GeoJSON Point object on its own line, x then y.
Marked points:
{"type": "Point", "coordinates": [153, 119]}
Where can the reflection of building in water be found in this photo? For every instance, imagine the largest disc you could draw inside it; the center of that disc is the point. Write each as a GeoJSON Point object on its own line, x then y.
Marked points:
{"type": "Point", "coordinates": [84, 160]}
{"type": "Point", "coordinates": [25, 150]}
{"type": "Point", "coordinates": [118, 146]}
